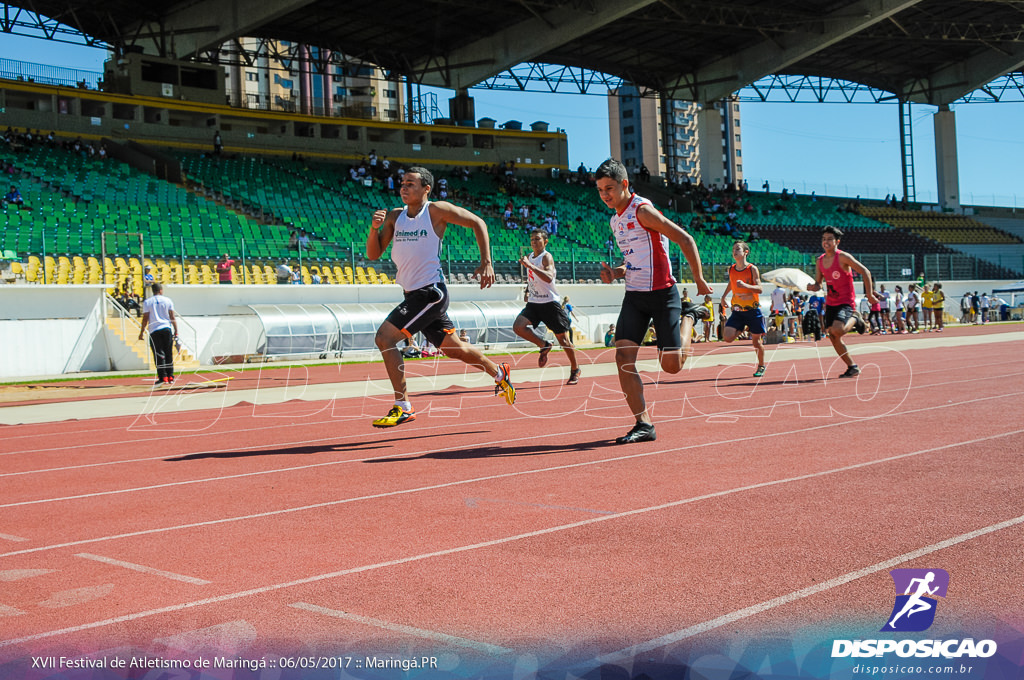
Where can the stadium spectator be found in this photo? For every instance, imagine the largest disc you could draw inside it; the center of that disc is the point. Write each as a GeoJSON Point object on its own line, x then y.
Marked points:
{"type": "Point", "coordinates": [926, 307]}
{"type": "Point", "coordinates": [975, 307]}
{"type": "Point", "coordinates": [966, 308]}
{"type": "Point", "coordinates": [13, 197]}
{"type": "Point", "coordinates": [609, 336]}
{"type": "Point", "coordinates": [938, 306]}
{"type": "Point", "coordinates": [875, 315]}
{"type": "Point", "coordinates": [224, 273]}
{"type": "Point", "coordinates": [283, 273]}
{"type": "Point", "coordinates": [986, 304]}
{"type": "Point", "coordinates": [912, 303]}
{"type": "Point", "coordinates": [218, 144]}
{"type": "Point", "coordinates": [885, 316]}
{"type": "Point", "coordinates": [897, 301]}
{"type": "Point", "coordinates": [816, 304]}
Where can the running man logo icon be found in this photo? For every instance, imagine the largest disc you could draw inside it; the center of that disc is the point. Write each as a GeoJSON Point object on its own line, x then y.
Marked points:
{"type": "Point", "coordinates": [914, 609]}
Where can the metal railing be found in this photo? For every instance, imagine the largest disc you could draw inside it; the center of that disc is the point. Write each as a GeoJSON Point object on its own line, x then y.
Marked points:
{"type": "Point", "coordinates": [579, 265]}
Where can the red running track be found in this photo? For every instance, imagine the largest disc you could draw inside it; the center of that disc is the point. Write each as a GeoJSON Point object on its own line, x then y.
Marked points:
{"type": "Point", "coordinates": [489, 532]}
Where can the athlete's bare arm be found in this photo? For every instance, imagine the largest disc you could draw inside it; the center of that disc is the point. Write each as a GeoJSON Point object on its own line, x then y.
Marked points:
{"type": "Point", "coordinates": [546, 272]}
{"type": "Point", "coordinates": [382, 230]}
{"type": "Point", "coordinates": [869, 285]}
{"type": "Point", "coordinates": [609, 273]}
{"type": "Point", "coordinates": [443, 213]}
{"type": "Point", "coordinates": [655, 221]}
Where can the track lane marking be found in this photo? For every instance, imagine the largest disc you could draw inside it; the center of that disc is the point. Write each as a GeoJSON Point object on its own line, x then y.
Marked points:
{"type": "Point", "coordinates": [473, 480]}
{"type": "Point", "coordinates": [144, 569]}
{"type": "Point", "coordinates": [261, 590]}
{"type": "Point", "coordinates": [416, 454]}
{"type": "Point", "coordinates": [767, 605]}
{"type": "Point", "coordinates": [407, 630]}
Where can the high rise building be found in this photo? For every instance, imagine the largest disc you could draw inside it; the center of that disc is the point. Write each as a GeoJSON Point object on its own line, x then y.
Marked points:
{"type": "Point", "coordinates": [704, 143]}
{"type": "Point", "coordinates": [305, 79]}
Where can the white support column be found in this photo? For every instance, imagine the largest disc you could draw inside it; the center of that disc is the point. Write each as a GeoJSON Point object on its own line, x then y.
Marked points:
{"type": "Point", "coordinates": [709, 145]}
{"type": "Point", "coordinates": [947, 174]}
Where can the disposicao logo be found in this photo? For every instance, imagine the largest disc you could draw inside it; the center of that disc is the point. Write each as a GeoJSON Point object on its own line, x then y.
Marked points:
{"type": "Point", "coordinates": [914, 611]}
{"type": "Point", "coordinates": [916, 603]}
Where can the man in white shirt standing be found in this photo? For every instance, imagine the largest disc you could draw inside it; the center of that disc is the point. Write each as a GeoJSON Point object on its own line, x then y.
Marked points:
{"type": "Point", "coordinates": [158, 314]}
{"type": "Point", "coordinates": [779, 309]}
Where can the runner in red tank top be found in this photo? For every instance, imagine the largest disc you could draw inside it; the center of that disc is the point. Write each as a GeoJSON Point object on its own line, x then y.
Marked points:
{"type": "Point", "coordinates": [835, 269]}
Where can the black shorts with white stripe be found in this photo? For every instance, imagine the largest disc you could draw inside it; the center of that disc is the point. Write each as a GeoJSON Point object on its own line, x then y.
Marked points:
{"type": "Point", "coordinates": [424, 310]}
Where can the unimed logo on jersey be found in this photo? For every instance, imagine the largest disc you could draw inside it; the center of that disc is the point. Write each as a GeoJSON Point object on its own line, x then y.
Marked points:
{"type": "Point", "coordinates": [916, 603]}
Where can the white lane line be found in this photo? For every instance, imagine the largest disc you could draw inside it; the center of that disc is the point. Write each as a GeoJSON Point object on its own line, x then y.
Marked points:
{"type": "Point", "coordinates": [495, 542]}
{"type": "Point", "coordinates": [506, 475]}
{"type": "Point", "coordinates": [8, 537]}
{"type": "Point", "coordinates": [766, 389]}
{"type": "Point", "coordinates": [767, 605]}
{"type": "Point", "coordinates": [417, 454]}
{"type": "Point", "coordinates": [407, 630]}
{"type": "Point", "coordinates": [144, 569]}
{"type": "Point", "coordinates": [137, 406]}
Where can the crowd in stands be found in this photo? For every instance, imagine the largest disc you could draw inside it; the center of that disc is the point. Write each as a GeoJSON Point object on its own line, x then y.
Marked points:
{"type": "Point", "coordinates": [20, 141]}
{"type": "Point", "coordinates": [127, 298]}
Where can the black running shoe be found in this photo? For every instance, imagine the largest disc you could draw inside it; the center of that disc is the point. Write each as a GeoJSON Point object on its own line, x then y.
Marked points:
{"type": "Point", "coordinates": [851, 372]}
{"type": "Point", "coordinates": [859, 324]}
{"type": "Point", "coordinates": [641, 432]}
{"type": "Point", "coordinates": [696, 312]}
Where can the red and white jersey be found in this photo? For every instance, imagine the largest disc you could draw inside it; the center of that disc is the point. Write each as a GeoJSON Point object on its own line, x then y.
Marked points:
{"type": "Point", "coordinates": [645, 250]}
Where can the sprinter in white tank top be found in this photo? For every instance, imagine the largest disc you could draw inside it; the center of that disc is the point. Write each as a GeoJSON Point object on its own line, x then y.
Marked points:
{"type": "Point", "coordinates": [543, 306]}
{"type": "Point", "coordinates": [416, 232]}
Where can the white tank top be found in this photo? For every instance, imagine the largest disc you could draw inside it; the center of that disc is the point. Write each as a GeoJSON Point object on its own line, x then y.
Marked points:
{"type": "Point", "coordinates": [416, 250]}
{"type": "Point", "coordinates": [540, 290]}
{"type": "Point", "coordinates": [646, 252]}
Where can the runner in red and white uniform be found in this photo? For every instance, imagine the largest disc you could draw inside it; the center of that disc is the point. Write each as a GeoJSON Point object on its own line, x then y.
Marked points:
{"type": "Point", "coordinates": [835, 269]}
{"type": "Point", "coordinates": [643, 235]}
{"type": "Point", "coordinates": [415, 233]}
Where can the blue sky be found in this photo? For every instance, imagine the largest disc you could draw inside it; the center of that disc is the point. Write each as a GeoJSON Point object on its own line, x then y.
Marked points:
{"type": "Point", "coordinates": [839, 149]}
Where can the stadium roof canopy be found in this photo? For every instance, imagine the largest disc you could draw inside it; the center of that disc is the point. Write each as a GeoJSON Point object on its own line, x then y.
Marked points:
{"type": "Point", "coordinates": [926, 51]}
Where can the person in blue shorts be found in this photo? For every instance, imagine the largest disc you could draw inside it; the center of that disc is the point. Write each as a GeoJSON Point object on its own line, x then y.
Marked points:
{"type": "Point", "coordinates": [745, 287]}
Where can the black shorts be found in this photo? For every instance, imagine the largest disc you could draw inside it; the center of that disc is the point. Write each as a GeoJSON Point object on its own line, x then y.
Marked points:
{"type": "Point", "coordinates": [425, 310]}
{"type": "Point", "coordinates": [840, 313]}
{"type": "Point", "coordinates": [640, 307]}
{"type": "Point", "coordinates": [551, 314]}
